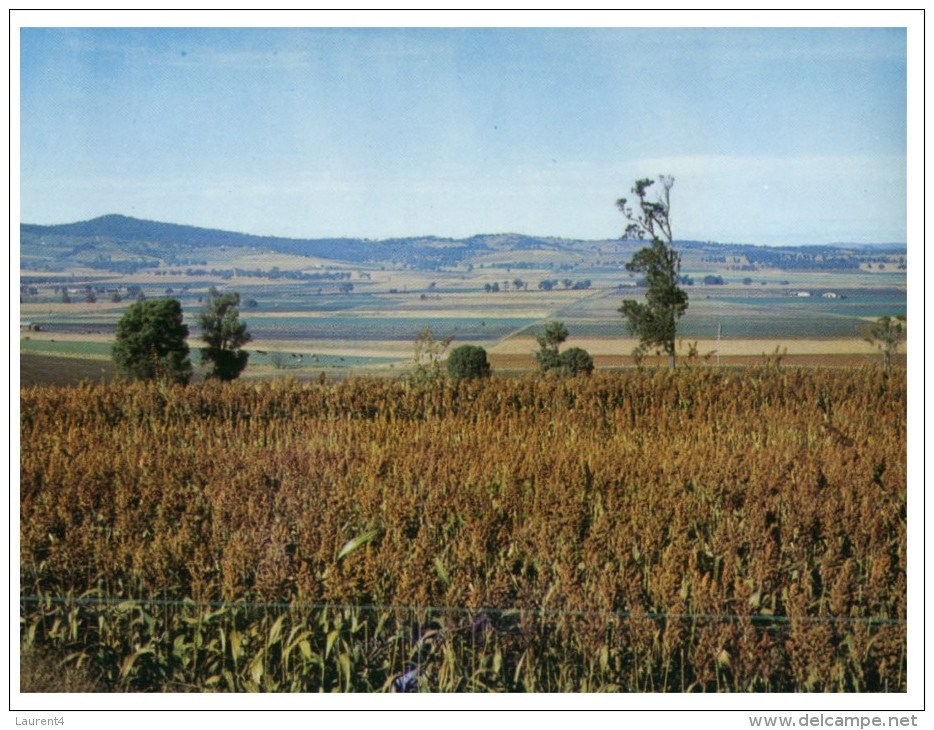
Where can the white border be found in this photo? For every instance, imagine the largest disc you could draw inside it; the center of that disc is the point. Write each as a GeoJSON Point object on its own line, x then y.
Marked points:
{"type": "Point", "coordinates": [673, 709]}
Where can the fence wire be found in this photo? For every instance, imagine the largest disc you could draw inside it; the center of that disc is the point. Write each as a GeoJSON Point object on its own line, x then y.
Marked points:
{"type": "Point", "coordinates": [465, 610]}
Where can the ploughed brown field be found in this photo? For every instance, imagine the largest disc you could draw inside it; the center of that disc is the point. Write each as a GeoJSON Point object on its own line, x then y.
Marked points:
{"type": "Point", "coordinates": [512, 356]}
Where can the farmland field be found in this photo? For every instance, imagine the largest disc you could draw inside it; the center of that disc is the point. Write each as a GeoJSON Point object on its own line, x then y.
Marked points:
{"type": "Point", "coordinates": [698, 530]}
{"type": "Point", "coordinates": [328, 523]}
{"type": "Point", "coordinates": [374, 326]}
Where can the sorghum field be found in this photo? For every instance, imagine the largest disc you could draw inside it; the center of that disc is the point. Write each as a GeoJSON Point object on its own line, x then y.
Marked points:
{"type": "Point", "coordinates": [697, 530]}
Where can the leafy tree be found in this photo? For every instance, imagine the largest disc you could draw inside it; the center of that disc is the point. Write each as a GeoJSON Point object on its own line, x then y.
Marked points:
{"type": "Point", "coordinates": [574, 361]}
{"type": "Point", "coordinates": [225, 335]}
{"type": "Point", "coordinates": [887, 334]}
{"type": "Point", "coordinates": [468, 362]}
{"type": "Point", "coordinates": [548, 342]}
{"type": "Point", "coordinates": [150, 342]}
{"type": "Point", "coordinates": [555, 333]}
{"type": "Point", "coordinates": [570, 362]}
{"type": "Point", "coordinates": [655, 321]}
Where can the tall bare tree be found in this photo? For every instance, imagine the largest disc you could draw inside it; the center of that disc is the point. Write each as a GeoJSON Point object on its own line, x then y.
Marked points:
{"type": "Point", "coordinates": [654, 321]}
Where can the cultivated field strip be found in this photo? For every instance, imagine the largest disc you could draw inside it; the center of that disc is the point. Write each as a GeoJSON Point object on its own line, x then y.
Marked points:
{"type": "Point", "coordinates": [699, 530]}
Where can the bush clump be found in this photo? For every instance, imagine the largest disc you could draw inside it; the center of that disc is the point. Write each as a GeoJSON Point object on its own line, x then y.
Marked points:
{"type": "Point", "coordinates": [574, 361]}
{"type": "Point", "coordinates": [468, 362]}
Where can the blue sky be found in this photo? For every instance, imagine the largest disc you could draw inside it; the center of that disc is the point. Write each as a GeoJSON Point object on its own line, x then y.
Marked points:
{"type": "Point", "coordinates": [773, 136]}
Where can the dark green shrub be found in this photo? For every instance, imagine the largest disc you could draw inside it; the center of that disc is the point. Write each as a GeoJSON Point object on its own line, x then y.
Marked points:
{"type": "Point", "coordinates": [574, 361]}
{"type": "Point", "coordinates": [468, 361]}
{"type": "Point", "coordinates": [225, 334]}
{"type": "Point", "coordinates": [150, 342]}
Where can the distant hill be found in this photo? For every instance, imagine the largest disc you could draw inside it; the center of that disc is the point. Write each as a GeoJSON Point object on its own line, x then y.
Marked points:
{"type": "Point", "coordinates": [122, 243]}
{"type": "Point", "coordinates": [102, 239]}
{"type": "Point", "coordinates": [153, 237]}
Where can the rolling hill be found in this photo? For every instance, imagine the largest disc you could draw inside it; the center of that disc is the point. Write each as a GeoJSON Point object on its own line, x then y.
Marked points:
{"type": "Point", "coordinates": [123, 243]}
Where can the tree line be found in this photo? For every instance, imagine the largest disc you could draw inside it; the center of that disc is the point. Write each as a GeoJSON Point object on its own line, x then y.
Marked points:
{"type": "Point", "coordinates": [151, 339]}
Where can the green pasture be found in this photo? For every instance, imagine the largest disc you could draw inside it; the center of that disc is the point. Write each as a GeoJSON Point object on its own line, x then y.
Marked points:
{"type": "Point", "coordinates": [382, 328]}
{"type": "Point", "coordinates": [292, 361]}
{"type": "Point", "coordinates": [85, 349]}
{"type": "Point", "coordinates": [286, 360]}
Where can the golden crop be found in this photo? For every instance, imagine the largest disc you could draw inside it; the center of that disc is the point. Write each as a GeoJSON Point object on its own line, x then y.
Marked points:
{"type": "Point", "coordinates": [696, 530]}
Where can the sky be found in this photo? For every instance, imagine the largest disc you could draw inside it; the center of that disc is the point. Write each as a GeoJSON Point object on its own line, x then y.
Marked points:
{"type": "Point", "coordinates": [773, 135]}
